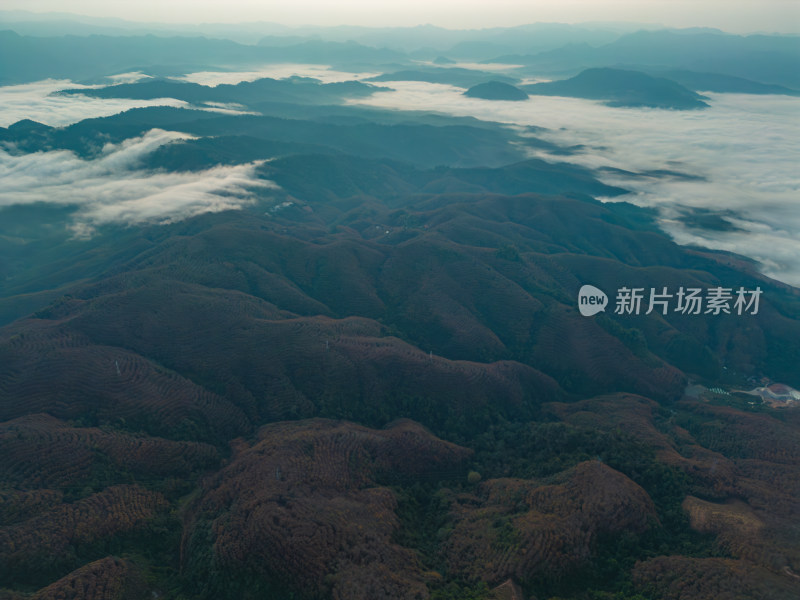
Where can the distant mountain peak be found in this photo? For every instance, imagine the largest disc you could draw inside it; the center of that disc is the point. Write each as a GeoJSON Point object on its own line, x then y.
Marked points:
{"type": "Point", "coordinates": [496, 90]}
{"type": "Point", "coordinates": [619, 87]}
{"type": "Point", "coordinates": [28, 125]}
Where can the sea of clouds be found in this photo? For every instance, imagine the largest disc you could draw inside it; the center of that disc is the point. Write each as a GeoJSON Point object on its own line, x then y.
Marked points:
{"type": "Point", "coordinates": [114, 189]}
{"type": "Point", "coordinates": [41, 102]}
{"type": "Point", "coordinates": [739, 158]}
{"type": "Point", "coordinates": [741, 154]}
{"type": "Point", "coordinates": [323, 73]}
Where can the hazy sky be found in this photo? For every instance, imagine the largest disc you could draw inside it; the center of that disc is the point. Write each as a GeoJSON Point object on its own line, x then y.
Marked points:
{"type": "Point", "coordinates": [729, 15]}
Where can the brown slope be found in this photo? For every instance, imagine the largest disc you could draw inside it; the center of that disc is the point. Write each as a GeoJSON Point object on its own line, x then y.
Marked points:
{"type": "Point", "coordinates": [710, 471]}
{"type": "Point", "coordinates": [766, 452]}
{"type": "Point", "coordinates": [42, 451]}
{"type": "Point", "coordinates": [269, 365]}
{"type": "Point", "coordinates": [48, 366]}
{"type": "Point", "coordinates": [743, 468]}
{"type": "Point", "coordinates": [459, 299]}
{"type": "Point", "coordinates": [109, 578]}
{"type": "Point", "coordinates": [436, 275]}
{"type": "Point", "coordinates": [475, 277]}
{"type": "Point", "coordinates": [47, 542]}
{"type": "Point", "coordinates": [301, 506]}
{"type": "Point", "coordinates": [526, 528]}
{"type": "Point", "coordinates": [684, 578]}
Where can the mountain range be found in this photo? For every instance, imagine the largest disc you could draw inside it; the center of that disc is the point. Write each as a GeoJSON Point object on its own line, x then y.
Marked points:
{"type": "Point", "coordinates": [313, 349]}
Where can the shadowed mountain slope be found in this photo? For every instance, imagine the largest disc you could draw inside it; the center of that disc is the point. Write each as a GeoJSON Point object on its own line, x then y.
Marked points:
{"type": "Point", "coordinates": [294, 90]}
{"type": "Point", "coordinates": [496, 90]}
{"type": "Point", "coordinates": [621, 88]}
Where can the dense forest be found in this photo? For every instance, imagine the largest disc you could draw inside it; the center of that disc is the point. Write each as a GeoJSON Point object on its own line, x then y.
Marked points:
{"type": "Point", "coordinates": [335, 352]}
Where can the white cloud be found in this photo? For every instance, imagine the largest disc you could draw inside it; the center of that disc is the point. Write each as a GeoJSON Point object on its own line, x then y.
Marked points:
{"type": "Point", "coordinates": [113, 188]}
{"type": "Point", "coordinates": [40, 102]}
{"type": "Point", "coordinates": [501, 67]}
{"type": "Point", "coordinates": [277, 71]}
{"type": "Point", "coordinates": [131, 77]}
{"type": "Point", "coordinates": [744, 147]}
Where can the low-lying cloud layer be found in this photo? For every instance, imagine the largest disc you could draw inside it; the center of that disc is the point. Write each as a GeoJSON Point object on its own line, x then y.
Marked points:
{"type": "Point", "coordinates": [742, 151]}
{"type": "Point", "coordinates": [114, 189]}
{"type": "Point", "coordinates": [274, 71]}
{"type": "Point", "coordinates": [41, 102]}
